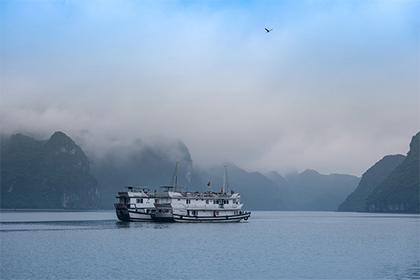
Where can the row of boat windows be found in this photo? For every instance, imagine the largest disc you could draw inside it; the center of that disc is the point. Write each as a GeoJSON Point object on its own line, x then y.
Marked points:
{"type": "Point", "coordinates": [193, 212]}
{"type": "Point", "coordinates": [215, 213]}
{"type": "Point", "coordinates": [216, 201]}
{"type": "Point", "coordinates": [188, 201]}
{"type": "Point", "coordinates": [138, 200]}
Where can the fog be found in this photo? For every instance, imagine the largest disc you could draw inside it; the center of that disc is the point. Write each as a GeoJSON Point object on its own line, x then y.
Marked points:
{"type": "Point", "coordinates": [334, 87]}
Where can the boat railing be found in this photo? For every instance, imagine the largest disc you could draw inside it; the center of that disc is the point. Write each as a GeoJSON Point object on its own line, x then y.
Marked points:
{"type": "Point", "coordinates": [210, 207]}
{"type": "Point", "coordinates": [207, 195]}
{"type": "Point", "coordinates": [121, 205]}
{"type": "Point", "coordinates": [144, 189]}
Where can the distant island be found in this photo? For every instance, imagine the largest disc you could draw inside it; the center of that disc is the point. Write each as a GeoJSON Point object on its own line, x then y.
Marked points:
{"type": "Point", "coordinates": [57, 174]}
{"type": "Point", "coordinates": [357, 200]}
{"type": "Point", "coordinates": [391, 185]}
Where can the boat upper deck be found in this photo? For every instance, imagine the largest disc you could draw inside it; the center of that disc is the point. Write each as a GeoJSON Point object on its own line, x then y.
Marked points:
{"type": "Point", "coordinates": [197, 195]}
{"type": "Point", "coordinates": [139, 191]}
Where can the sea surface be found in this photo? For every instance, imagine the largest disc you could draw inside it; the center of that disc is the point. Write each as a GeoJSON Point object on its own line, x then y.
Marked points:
{"type": "Point", "coordinates": [271, 245]}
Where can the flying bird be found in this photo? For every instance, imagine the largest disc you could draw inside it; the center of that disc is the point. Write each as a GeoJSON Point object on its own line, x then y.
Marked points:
{"type": "Point", "coordinates": [268, 30]}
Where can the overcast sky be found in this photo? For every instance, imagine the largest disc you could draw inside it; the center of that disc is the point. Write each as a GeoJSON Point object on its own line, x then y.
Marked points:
{"type": "Point", "coordinates": [334, 87]}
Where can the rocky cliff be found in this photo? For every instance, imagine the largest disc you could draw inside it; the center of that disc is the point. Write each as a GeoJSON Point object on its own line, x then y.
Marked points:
{"type": "Point", "coordinates": [45, 174]}
{"type": "Point", "coordinates": [357, 200]}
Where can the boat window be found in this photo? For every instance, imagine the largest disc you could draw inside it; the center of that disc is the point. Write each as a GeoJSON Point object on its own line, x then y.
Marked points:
{"type": "Point", "coordinates": [179, 199]}
{"type": "Point", "coordinates": [207, 201]}
{"type": "Point", "coordinates": [188, 201]}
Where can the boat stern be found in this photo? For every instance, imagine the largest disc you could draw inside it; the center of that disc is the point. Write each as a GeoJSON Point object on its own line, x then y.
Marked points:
{"type": "Point", "coordinates": [122, 212]}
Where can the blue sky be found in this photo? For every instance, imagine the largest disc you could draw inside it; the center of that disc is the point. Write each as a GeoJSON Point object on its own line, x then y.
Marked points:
{"type": "Point", "coordinates": [334, 87]}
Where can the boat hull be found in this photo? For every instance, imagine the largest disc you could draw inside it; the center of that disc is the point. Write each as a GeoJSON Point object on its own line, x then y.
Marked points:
{"type": "Point", "coordinates": [163, 217]}
{"type": "Point", "coordinates": [210, 219]}
{"type": "Point", "coordinates": [134, 215]}
{"type": "Point", "coordinates": [131, 215]}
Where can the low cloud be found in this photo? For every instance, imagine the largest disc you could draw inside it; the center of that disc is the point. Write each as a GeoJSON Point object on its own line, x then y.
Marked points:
{"type": "Point", "coordinates": [333, 88]}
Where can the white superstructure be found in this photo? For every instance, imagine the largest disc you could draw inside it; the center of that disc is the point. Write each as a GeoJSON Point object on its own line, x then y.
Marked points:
{"type": "Point", "coordinates": [176, 206]}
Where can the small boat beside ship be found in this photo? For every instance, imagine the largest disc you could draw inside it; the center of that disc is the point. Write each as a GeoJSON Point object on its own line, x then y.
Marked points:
{"type": "Point", "coordinates": [173, 205]}
{"type": "Point", "coordinates": [136, 204]}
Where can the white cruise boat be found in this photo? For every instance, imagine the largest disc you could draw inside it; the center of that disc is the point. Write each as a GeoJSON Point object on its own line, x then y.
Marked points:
{"type": "Point", "coordinates": [135, 204]}
{"type": "Point", "coordinates": [174, 205]}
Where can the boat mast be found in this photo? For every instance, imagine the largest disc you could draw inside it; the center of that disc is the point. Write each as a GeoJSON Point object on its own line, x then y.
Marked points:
{"type": "Point", "coordinates": [175, 177]}
{"type": "Point", "coordinates": [225, 181]}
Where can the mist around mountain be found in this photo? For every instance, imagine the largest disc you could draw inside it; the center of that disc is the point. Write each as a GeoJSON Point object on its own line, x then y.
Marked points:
{"type": "Point", "coordinates": [142, 165]}
{"type": "Point", "coordinates": [312, 191]}
{"type": "Point", "coordinates": [56, 173]}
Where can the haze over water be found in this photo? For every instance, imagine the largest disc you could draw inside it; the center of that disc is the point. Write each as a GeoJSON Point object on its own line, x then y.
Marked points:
{"type": "Point", "coordinates": [271, 245]}
{"type": "Point", "coordinates": [333, 87]}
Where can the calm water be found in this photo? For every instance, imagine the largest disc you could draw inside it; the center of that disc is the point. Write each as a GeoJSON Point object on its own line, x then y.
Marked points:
{"type": "Point", "coordinates": [271, 245]}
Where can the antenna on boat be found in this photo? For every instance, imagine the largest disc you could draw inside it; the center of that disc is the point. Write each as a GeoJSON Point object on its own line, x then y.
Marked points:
{"type": "Point", "coordinates": [225, 186]}
{"type": "Point", "coordinates": [175, 177]}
